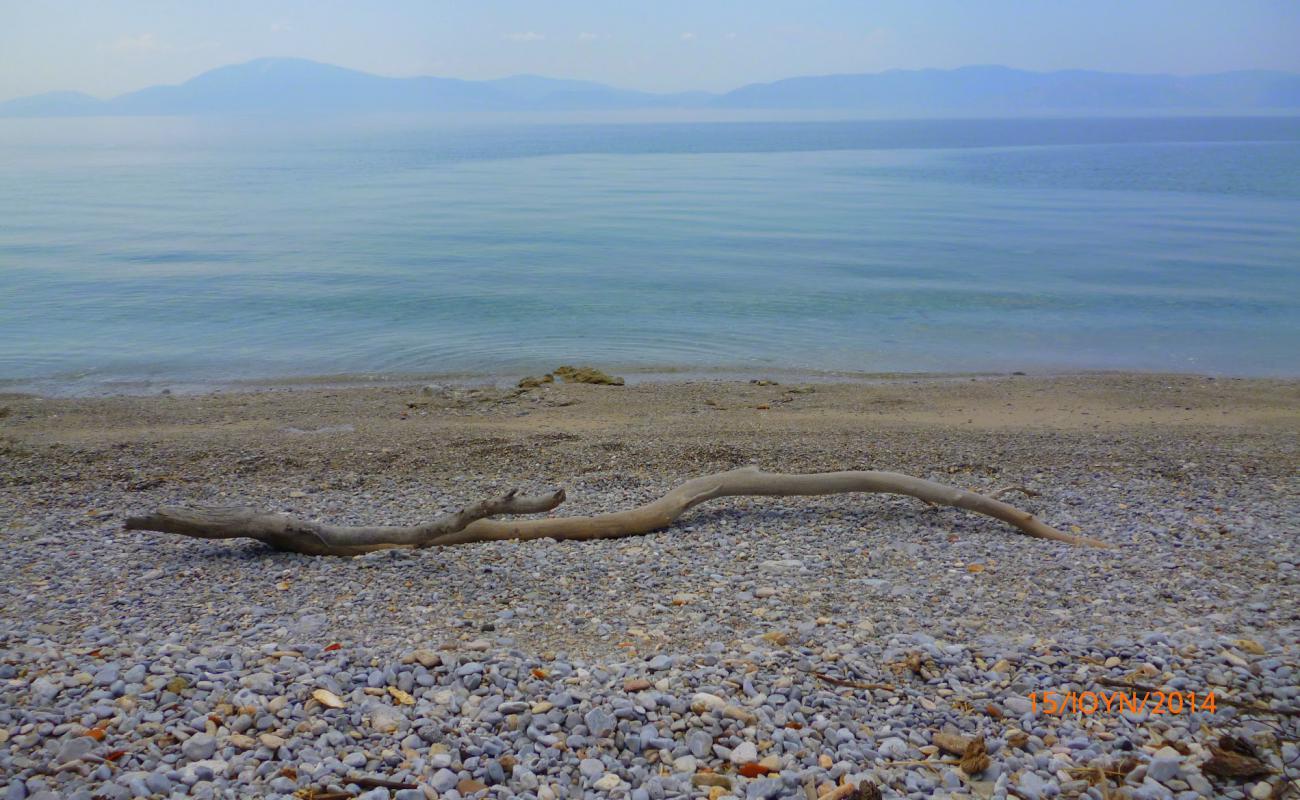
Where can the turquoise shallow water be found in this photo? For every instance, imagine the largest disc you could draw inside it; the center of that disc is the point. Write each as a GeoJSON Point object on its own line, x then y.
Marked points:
{"type": "Point", "coordinates": [173, 250]}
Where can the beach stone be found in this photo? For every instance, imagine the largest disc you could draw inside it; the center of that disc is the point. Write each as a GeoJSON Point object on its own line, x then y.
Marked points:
{"type": "Point", "coordinates": [1018, 705]}
{"type": "Point", "coordinates": [260, 682]}
{"type": "Point", "coordinates": [787, 566]}
{"type": "Point", "coordinates": [159, 783]}
{"type": "Point", "coordinates": [1164, 764]}
{"type": "Point", "coordinates": [600, 722]}
{"type": "Point", "coordinates": [106, 676]}
{"type": "Point", "coordinates": [699, 743]}
{"type": "Point", "coordinates": [44, 690]}
{"type": "Point", "coordinates": [744, 753]}
{"type": "Point", "coordinates": [385, 719]}
{"type": "Point", "coordinates": [766, 789]}
{"type": "Point", "coordinates": [199, 747]}
{"type": "Point", "coordinates": [1031, 786]}
{"type": "Point", "coordinates": [444, 780]}
{"type": "Point", "coordinates": [893, 747]}
{"type": "Point", "coordinates": [427, 658]}
{"type": "Point", "coordinates": [75, 749]}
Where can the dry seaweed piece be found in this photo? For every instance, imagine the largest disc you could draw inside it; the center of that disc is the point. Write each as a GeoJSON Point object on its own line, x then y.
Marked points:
{"type": "Point", "coordinates": [868, 791]}
{"type": "Point", "coordinates": [1238, 745]}
{"type": "Point", "coordinates": [1234, 757]}
{"type": "Point", "coordinates": [975, 760]}
{"type": "Point", "coordinates": [532, 381]}
{"type": "Point", "coordinates": [592, 375]}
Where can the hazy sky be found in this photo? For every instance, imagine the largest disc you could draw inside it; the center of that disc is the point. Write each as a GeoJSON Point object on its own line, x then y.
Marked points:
{"type": "Point", "coordinates": [106, 47]}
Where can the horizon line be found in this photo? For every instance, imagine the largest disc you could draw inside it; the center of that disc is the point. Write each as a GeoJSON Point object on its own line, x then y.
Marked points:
{"type": "Point", "coordinates": [652, 92]}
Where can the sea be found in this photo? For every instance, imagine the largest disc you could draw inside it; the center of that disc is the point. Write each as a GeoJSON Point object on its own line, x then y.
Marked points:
{"type": "Point", "coordinates": [144, 253]}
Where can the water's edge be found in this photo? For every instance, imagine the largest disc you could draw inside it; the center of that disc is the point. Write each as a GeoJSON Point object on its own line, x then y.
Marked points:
{"type": "Point", "coordinates": [632, 376]}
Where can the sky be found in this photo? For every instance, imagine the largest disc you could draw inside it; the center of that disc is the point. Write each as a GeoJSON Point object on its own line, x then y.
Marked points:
{"type": "Point", "coordinates": [106, 47]}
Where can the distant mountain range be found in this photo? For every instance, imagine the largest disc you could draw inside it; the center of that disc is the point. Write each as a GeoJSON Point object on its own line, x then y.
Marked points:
{"type": "Point", "coordinates": [297, 86]}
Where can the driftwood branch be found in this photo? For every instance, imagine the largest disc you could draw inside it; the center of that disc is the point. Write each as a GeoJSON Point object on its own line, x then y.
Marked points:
{"type": "Point", "coordinates": [318, 539]}
{"type": "Point", "coordinates": [473, 524]}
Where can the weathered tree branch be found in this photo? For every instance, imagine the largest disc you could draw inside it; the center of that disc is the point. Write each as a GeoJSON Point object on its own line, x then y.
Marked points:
{"type": "Point", "coordinates": [318, 539]}
{"type": "Point", "coordinates": [473, 523]}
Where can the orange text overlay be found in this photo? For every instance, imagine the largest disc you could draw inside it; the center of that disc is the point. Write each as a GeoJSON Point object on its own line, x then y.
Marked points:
{"type": "Point", "coordinates": [1119, 702]}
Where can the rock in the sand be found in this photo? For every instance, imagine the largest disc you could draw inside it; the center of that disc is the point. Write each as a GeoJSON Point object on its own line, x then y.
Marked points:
{"type": "Point", "coordinates": [1164, 765]}
{"type": "Point", "coordinates": [1031, 786]}
{"type": "Point", "coordinates": [44, 690]}
{"type": "Point", "coordinates": [783, 566]}
{"type": "Point", "coordinates": [699, 743]}
{"type": "Point", "coordinates": [386, 719]}
{"type": "Point", "coordinates": [659, 663]}
{"type": "Point", "coordinates": [75, 750]}
{"type": "Point", "coordinates": [260, 682]}
{"type": "Point", "coordinates": [106, 676]}
{"type": "Point", "coordinates": [600, 722]}
{"type": "Point", "coordinates": [893, 747]}
{"type": "Point", "coordinates": [704, 701]}
{"type": "Point", "coordinates": [444, 780]}
{"type": "Point", "coordinates": [744, 753]}
{"type": "Point", "coordinates": [198, 747]}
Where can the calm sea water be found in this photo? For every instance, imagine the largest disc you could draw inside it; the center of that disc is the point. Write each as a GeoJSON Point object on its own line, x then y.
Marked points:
{"type": "Point", "coordinates": [140, 252]}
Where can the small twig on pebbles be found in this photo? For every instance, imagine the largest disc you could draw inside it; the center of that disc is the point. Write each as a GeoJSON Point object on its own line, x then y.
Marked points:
{"type": "Point", "coordinates": [380, 783]}
{"type": "Point", "coordinates": [853, 684]}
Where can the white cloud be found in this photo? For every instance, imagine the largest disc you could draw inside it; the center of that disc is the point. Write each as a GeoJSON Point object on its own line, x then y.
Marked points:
{"type": "Point", "coordinates": [588, 37]}
{"type": "Point", "coordinates": [280, 27]}
{"type": "Point", "coordinates": [525, 36]}
{"type": "Point", "coordinates": [140, 43]}
{"type": "Point", "coordinates": [731, 35]}
{"type": "Point", "coordinates": [687, 36]}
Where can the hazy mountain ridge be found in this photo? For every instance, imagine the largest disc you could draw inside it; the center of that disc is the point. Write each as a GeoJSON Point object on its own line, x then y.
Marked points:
{"type": "Point", "coordinates": [996, 88]}
{"type": "Point", "coordinates": [286, 85]}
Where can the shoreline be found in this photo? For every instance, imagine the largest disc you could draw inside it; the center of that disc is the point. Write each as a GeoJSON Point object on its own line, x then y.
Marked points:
{"type": "Point", "coordinates": [74, 388]}
{"type": "Point", "coordinates": [811, 401]}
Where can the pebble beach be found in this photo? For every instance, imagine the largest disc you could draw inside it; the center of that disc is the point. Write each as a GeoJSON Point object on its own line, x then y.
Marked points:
{"type": "Point", "coordinates": [853, 646]}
